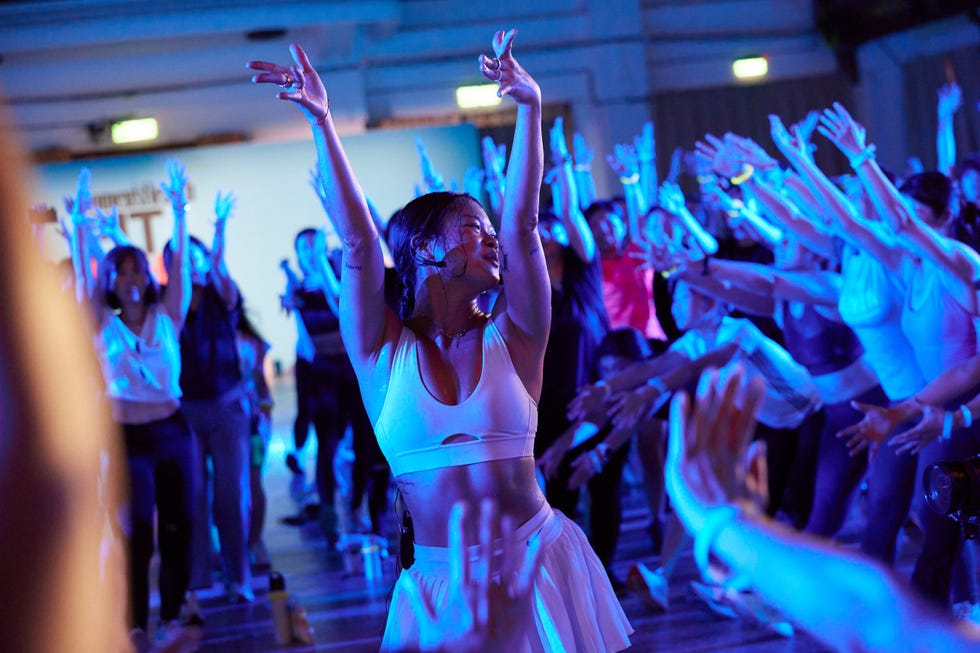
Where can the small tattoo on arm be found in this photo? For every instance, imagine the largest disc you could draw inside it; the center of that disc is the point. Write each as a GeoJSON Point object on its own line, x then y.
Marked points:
{"type": "Point", "coordinates": [534, 250]}
{"type": "Point", "coordinates": [351, 266]}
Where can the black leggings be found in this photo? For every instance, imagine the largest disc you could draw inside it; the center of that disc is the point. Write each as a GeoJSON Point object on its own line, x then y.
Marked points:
{"type": "Point", "coordinates": [303, 372]}
{"type": "Point", "coordinates": [605, 499]}
{"type": "Point", "coordinates": [160, 461]}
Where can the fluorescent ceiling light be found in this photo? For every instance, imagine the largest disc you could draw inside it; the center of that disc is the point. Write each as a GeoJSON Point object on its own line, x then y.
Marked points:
{"type": "Point", "coordinates": [750, 67]}
{"type": "Point", "coordinates": [134, 131]}
{"type": "Point", "coordinates": [472, 97]}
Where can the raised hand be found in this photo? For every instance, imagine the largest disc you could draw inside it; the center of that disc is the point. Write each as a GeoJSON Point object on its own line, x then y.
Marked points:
{"type": "Point", "coordinates": [301, 84]}
{"type": "Point", "coordinates": [503, 68]}
{"type": "Point", "coordinates": [494, 157]}
{"type": "Point", "coordinates": [590, 400]}
{"type": "Point", "coordinates": [432, 179]}
{"type": "Point", "coordinates": [623, 160]}
{"type": "Point", "coordinates": [645, 144]}
{"type": "Point", "coordinates": [473, 181]}
{"type": "Point", "coordinates": [224, 206]}
{"type": "Point", "coordinates": [786, 142]}
{"type": "Point", "coordinates": [745, 150]}
{"type": "Point", "coordinates": [81, 203]}
{"type": "Point", "coordinates": [950, 100]}
{"type": "Point", "coordinates": [709, 461]}
{"type": "Point", "coordinates": [583, 153]}
{"type": "Point", "coordinates": [837, 125]}
{"type": "Point", "coordinates": [479, 614]}
{"type": "Point", "coordinates": [671, 198]}
{"type": "Point", "coordinates": [559, 146]}
{"type": "Point", "coordinates": [713, 152]}
{"type": "Point", "coordinates": [175, 188]}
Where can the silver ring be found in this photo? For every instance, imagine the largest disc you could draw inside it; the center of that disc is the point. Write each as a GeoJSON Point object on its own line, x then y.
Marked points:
{"type": "Point", "coordinates": [288, 81]}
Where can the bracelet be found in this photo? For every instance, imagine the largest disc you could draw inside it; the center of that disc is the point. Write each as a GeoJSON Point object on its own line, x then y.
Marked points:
{"type": "Point", "coordinates": [658, 384]}
{"type": "Point", "coordinates": [967, 416]}
{"type": "Point", "coordinates": [705, 179]}
{"type": "Point", "coordinates": [583, 167]}
{"type": "Point", "coordinates": [747, 171]}
{"type": "Point", "coordinates": [862, 156]}
{"type": "Point", "coordinates": [632, 179]}
{"type": "Point", "coordinates": [717, 520]}
{"type": "Point", "coordinates": [947, 425]}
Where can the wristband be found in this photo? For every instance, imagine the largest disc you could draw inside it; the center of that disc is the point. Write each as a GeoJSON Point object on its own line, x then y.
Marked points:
{"type": "Point", "coordinates": [862, 156]}
{"type": "Point", "coordinates": [717, 520]}
{"type": "Point", "coordinates": [744, 176]}
{"type": "Point", "coordinates": [632, 179]}
{"type": "Point", "coordinates": [658, 384]}
{"type": "Point", "coordinates": [947, 425]}
{"type": "Point", "coordinates": [967, 416]}
{"type": "Point", "coordinates": [583, 167]}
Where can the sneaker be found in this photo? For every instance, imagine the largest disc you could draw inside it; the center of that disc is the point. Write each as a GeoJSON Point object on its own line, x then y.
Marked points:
{"type": "Point", "coordinates": [714, 598]}
{"type": "Point", "coordinates": [140, 641]}
{"type": "Point", "coordinates": [292, 462]}
{"type": "Point", "coordinates": [239, 593]}
{"type": "Point", "coordinates": [650, 586]}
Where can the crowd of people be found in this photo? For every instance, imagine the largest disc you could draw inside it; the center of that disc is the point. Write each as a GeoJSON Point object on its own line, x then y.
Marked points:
{"type": "Point", "coordinates": [489, 364]}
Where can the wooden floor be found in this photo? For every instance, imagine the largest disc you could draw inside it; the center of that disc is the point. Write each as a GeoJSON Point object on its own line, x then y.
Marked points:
{"type": "Point", "coordinates": [348, 613]}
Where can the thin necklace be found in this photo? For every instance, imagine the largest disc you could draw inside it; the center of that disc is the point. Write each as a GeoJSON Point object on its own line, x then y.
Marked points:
{"type": "Point", "coordinates": [455, 336]}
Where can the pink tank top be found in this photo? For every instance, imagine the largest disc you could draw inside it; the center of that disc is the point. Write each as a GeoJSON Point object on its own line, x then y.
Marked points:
{"type": "Point", "coordinates": [499, 416]}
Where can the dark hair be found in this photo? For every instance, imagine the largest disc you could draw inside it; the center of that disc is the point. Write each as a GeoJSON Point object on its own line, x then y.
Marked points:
{"type": "Point", "coordinates": [547, 217]}
{"type": "Point", "coordinates": [309, 231]}
{"type": "Point", "coordinates": [110, 265]}
{"type": "Point", "coordinates": [933, 189]}
{"type": "Point", "coordinates": [168, 250]}
{"type": "Point", "coordinates": [420, 219]}
{"type": "Point", "coordinates": [247, 327]}
{"type": "Point", "coordinates": [626, 342]}
{"type": "Point", "coordinates": [609, 205]}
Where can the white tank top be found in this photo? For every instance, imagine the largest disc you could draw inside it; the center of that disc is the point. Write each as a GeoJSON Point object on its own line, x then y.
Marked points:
{"type": "Point", "coordinates": [871, 304]}
{"type": "Point", "coordinates": [144, 366]}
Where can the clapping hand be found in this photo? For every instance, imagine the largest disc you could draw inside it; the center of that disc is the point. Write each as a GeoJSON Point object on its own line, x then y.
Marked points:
{"type": "Point", "coordinates": [503, 68]}
{"type": "Point", "coordinates": [301, 84]}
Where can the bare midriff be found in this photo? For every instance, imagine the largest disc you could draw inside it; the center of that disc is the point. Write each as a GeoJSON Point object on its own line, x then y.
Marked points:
{"type": "Point", "coordinates": [125, 411]}
{"type": "Point", "coordinates": [430, 494]}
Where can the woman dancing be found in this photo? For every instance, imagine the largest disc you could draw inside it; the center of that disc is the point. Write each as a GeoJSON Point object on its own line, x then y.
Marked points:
{"type": "Point", "coordinates": [452, 390]}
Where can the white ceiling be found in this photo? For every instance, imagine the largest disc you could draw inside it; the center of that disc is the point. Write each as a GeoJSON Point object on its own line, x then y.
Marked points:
{"type": "Point", "coordinates": [70, 64]}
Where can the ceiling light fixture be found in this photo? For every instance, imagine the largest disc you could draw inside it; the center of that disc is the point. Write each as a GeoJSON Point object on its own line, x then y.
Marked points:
{"type": "Point", "coordinates": [134, 131]}
{"type": "Point", "coordinates": [474, 97]}
{"type": "Point", "coordinates": [750, 67]}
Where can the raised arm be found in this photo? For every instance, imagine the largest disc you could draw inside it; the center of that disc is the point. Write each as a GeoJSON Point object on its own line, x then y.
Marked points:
{"type": "Point", "coordinates": [178, 296]}
{"type": "Point", "coordinates": [959, 262]}
{"type": "Point", "coordinates": [950, 99]}
{"type": "Point", "coordinates": [623, 162]}
{"type": "Point", "coordinates": [584, 180]}
{"type": "Point", "coordinates": [494, 164]}
{"type": "Point", "coordinates": [580, 237]}
{"type": "Point", "coordinates": [646, 154]}
{"type": "Point", "coordinates": [224, 205]}
{"type": "Point", "coordinates": [365, 321]}
{"type": "Point", "coordinates": [528, 304]}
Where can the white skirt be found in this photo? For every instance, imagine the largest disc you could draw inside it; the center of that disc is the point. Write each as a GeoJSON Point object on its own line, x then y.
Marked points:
{"type": "Point", "coordinates": [574, 607]}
